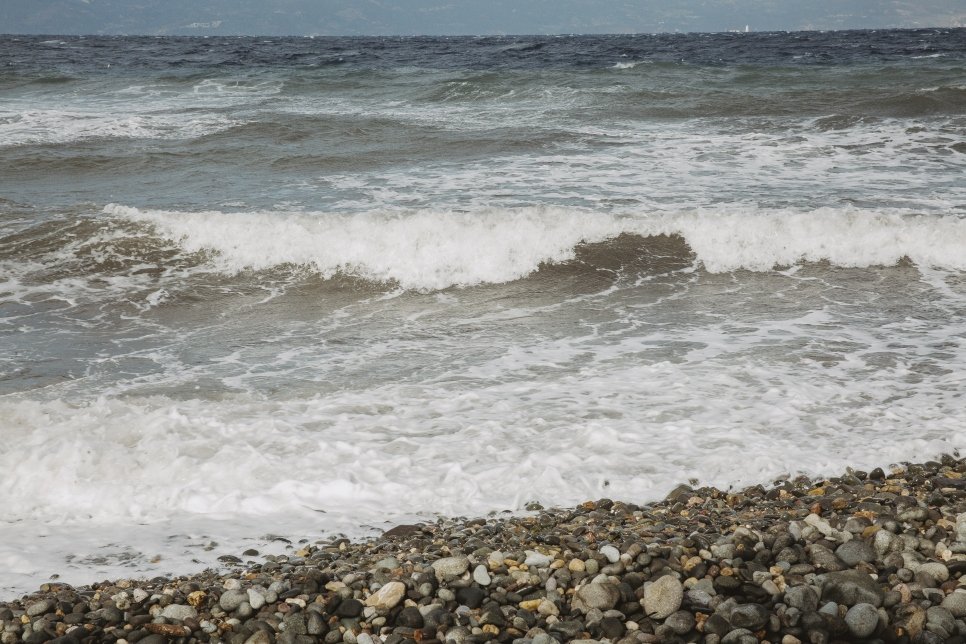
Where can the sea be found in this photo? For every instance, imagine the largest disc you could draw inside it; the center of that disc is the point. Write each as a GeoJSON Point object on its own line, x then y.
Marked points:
{"type": "Point", "coordinates": [259, 292]}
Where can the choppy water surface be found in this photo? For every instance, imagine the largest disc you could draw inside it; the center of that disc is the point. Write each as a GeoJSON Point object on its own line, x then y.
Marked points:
{"type": "Point", "coordinates": [303, 286]}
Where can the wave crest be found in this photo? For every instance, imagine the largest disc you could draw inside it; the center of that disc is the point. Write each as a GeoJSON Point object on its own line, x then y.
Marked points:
{"type": "Point", "coordinates": [436, 249]}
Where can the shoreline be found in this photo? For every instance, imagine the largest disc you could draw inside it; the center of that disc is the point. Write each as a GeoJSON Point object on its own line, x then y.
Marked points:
{"type": "Point", "coordinates": [870, 556]}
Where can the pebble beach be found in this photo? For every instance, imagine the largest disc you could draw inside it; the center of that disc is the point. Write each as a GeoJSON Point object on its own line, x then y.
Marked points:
{"type": "Point", "coordinates": [874, 556]}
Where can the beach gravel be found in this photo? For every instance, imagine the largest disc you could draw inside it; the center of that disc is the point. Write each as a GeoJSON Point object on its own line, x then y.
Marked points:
{"type": "Point", "coordinates": [851, 558]}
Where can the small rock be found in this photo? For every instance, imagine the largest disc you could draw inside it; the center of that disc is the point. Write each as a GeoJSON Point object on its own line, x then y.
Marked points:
{"type": "Point", "coordinates": [862, 619]}
{"type": "Point", "coordinates": [450, 567]}
{"type": "Point", "coordinates": [681, 622]}
{"type": "Point", "coordinates": [955, 602]}
{"type": "Point", "coordinates": [232, 599]}
{"type": "Point", "coordinates": [602, 596]}
{"type": "Point", "coordinates": [851, 587]}
{"type": "Point", "coordinates": [410, 617]}
{"type": "Point", "coordinates": [255, 598]}
{"type": "Point", "coordinates": [804, 598]}
{"type": "Point", "coordinates": [740, 636]}
{"type": "Point", "coordinates": [386, 598]}
{"type": "Point", "coordinates": [349, 608]}
{"type": "Point", "coordinates": [179, 612]}
{"type": "Point", "coordinates": [537, 559]}
{"type": "Point", "coordinates": [855, 552]}
{"type": "Point", "coordinates": [39, 608]}
{"type": "Point", "coordinates": [612, 554]}
{"type": "Point", "coordinates": [481, 575]}
{"type": "Point", "coordinates": [750, 616]}
{"type": "Point", "coordinates": [662, 597]}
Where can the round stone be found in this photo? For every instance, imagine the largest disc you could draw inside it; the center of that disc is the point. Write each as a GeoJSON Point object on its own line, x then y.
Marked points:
{"type": "Point", "coordinates": [410, 617]}
{"type": "Point", "coordinates": [862, 620]}
{"type": "Point", "coordinates": [178, 612]}
{"type": "Point", "coordinates": [662, 597]}
{"type": "Point", "coordinates": [681, 622]}
{"type": "Point", "coordinates": [602, 596]}
{"type": "Point", "coordinates": [612, 554]}
{"type": "Point", "coordinates": [955, 603]}
{"type": "Point", "coordinates": [450, 567]}
{"type": "Point", "coordinates": [855, 552]}
{"type": "Point", "coordinates": [232, 599]}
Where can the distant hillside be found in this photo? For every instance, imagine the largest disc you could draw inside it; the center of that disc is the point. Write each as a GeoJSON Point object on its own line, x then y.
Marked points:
{"type": "Point", "coordinates": [406, 17]}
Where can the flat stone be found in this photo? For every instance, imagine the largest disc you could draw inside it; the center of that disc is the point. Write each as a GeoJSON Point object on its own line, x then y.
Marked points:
{"type": "Point", "coordinates": [822, 557]}
{"type": "Point", "coordinates": [537, 559]}
{"type": "Point", "coordinates": [471, 596]}
{"type": "Point", "coordinates": [232, 599]}
{"type": "Point", "coordinates": [862, 620]}
{"type": "Point", "coordinates": [349, 608]}
{"type": "Point", "coordinates": [851, 587]}
{"type": "Point", "coordinates": [178, 612]}
{"type": "Point", "coordinates": [955, 602]}
{"type": "Point", "coordinates": [681, 622]}
{"type": "Point", "coordinates": [663, 597]}
{"type": "Point", "coordinates": [855, 552]}
{"type": "Point", "coordinates": [255, 598]}
{"type": "Point", "coordinates": [612, 554]}
{"type": "Point", "coordinates": [39, 608]}
{"type": "Point", "coordinates": [750, 616]}
{"type": "Point", "coordinates": [450, 567]}
{"type": "Point", "coordinates": [410, 617]}
{"type": "Point", "coordinates": [740, 636]}
{"type": "Point", "coordinates": [481, 575]}
{"type": "Point", "coordinates": [386, 598]}
{"type": "Point", "coordinates": [937, 616]}
{"type": "Point", "coordinates": [936, 570]}
{"type": "Point", "coordinates": [602, 596]}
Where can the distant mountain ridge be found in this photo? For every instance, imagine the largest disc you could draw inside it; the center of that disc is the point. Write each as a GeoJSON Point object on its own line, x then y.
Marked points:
{"type": "Point", "coordinates": [443, 17]}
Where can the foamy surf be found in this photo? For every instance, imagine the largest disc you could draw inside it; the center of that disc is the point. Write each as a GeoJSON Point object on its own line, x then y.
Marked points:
{"type": "Point", "coordinates": [434, 250]}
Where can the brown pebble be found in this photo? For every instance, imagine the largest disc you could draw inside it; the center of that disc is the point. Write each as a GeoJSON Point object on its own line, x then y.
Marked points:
{"type": "Point", "coordinates": [168, 630]}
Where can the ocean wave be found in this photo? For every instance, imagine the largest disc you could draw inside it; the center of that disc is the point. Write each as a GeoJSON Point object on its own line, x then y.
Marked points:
{"type": "Point", "coordinates": [52, 126]}
{"type": "Point", "coordinates": [435, 249]}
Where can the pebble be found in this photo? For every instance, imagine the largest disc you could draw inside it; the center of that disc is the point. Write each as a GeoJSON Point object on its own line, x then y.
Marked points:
{"type": "Point", "coordinates": [840, 559]}
{"type": "Point", "coordinates": [450, 567]}
{"type": "Point", "coordinates": [862, 620]}
{"type": "Point", "coordinates": [612, 554]}
{"type": "Point", "coordinates": [662, 597]}
{"type": "Point", "coordinates": [602, 596]}
{"type": "Point", "coordinates": [179, 612]}
{"type": "Point", "coordinates": [386, 598]}
{"type": "Point", "coordinates": [537, 559]}
{"type": "Point", "coordinates": [481, 575]}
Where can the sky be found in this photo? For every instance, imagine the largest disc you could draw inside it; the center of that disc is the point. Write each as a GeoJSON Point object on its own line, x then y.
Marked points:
{"type": "Point", "coordinates": [459, 17]}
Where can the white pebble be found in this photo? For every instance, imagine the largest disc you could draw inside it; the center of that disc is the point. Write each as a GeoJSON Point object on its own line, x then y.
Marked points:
{"type": "Point", "coordinates": [613, 554]}
{"type": "Point", "coordinates": [481, 576]}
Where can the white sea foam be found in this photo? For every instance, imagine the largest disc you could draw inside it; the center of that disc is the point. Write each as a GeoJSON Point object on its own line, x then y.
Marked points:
{"type": "Point", "coordinates": [436, 249]}
{"type": "Point", "coordinates": [599, 419]}
{"type": "Point", "coordinates": [69, 125]}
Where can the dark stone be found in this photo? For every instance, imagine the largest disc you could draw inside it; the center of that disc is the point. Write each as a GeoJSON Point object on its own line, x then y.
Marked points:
{"type": "Point", "coordinates": [851, 587]}
{"type": "Point", "coordinates": [402, 531]}
{"type": "Point", "coordinates": [493, 615]}
{"type": "Point", "coordinates": [750, 616]}
{"type": "Point", "coordinates": [410, 617]}
{"type": "Point", "coordinates": [349, 608]}
{"type": "Point", "coordinates": [726, 585]}
{"type": "Point", "coordinates": [717, 625]}
{"type": "Point", "coordinates": [612, 628]}
{"type": "Point", "coordinates": [568, 628]}
{"type": "Point", "coordinates": [471, 596]}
